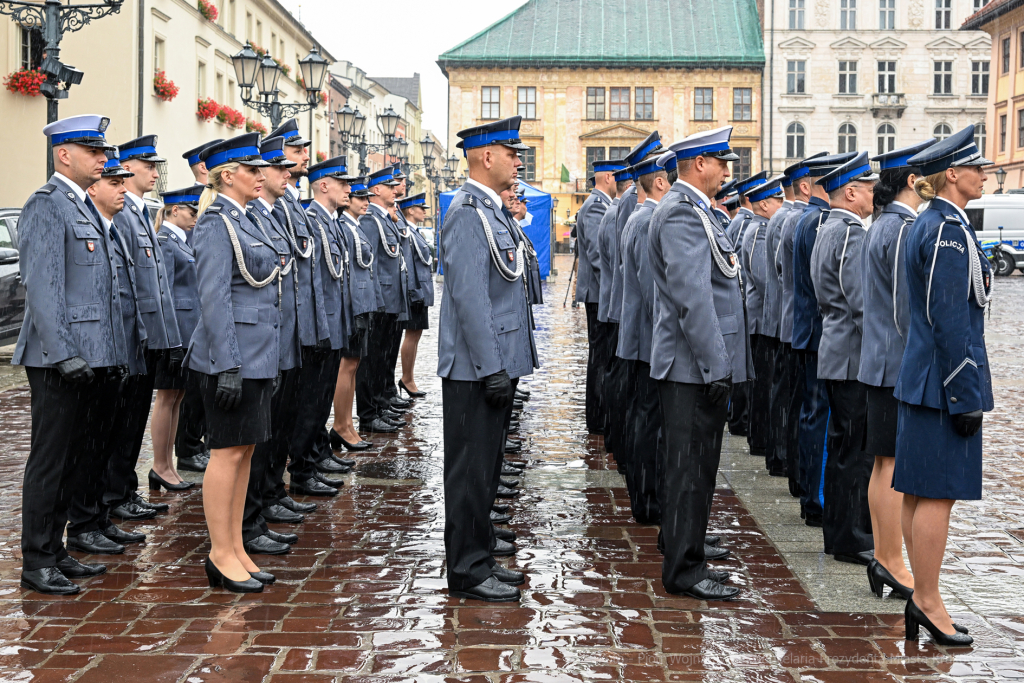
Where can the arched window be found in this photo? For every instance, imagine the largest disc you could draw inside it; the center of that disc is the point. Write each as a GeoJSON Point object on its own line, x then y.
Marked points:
{"type": "Point", "coordinates": [979, 137]}
{"type": "Point", "coordinates": [942, 131]}
{"type": "Point", "coordinates": [886, 138]}
{"type": "Point", "coordinates": [795, 141]}
{"type": "Point", "coordinates": [847, 138]}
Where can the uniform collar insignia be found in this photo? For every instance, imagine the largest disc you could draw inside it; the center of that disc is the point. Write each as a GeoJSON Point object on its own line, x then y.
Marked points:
{"type": "Point", "coordinates": [234, 213]}
{"type": "Point", "coordinates": [263, 209]}
{"type": "Point", "coordinates": [132, 208]}
{"type": "Point", "coordinates": [71, 195]}
{"type": "Point", "coordinates": [700, 203]}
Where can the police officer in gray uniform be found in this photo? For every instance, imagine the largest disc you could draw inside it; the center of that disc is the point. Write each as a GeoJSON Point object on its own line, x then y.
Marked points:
{"type": "Point", "coordinates": [485, 344]}
{"type": "Point", "coordinates": [743, 215]}
{"type": "Point", "coordinates": [72, 345]}
{"type": "Point", "coordinates": [839, 287]}
{"type": "Point", "coordinates": [781, 387]}
{"type": "Point", "coordinates": [728, 190]}
{"type": "Point", "coordinates": [699, 349]}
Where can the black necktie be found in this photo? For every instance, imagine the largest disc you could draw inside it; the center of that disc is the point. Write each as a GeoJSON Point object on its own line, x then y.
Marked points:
{"type": "Point", "coordinates": [96, 215]}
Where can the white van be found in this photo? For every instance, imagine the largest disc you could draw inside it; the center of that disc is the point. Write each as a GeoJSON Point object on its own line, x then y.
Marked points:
{"type": "Point", "coordinates": [1006, 211]}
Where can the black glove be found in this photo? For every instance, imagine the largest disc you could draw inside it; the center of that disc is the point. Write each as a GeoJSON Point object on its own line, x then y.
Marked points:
{"type": "Point", "coordinates": [75, 369]}
{"type": "Point", "coordinates": [363, 321]}
{"type": "Point", "coordinates": [122, 375]}
{"type": "Point", "coordinates": [175, 357]}
{"type": "Point", "coordinates": [719, 390]}
{"type": "Point", "coordinates": [967, 424]}
{"type": "Point", "coordinates": [498, 390]}
{"type": "Point", "coordinates": [229, 389]}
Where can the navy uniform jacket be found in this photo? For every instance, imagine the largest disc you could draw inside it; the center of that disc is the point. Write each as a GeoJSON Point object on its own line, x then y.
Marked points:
{"type": "Point", "coordinates": [723, 216]}
{"type": "Point", "coordinates": [290, 354]}
{"type": "Point", "coordinates": [485, 324]}
{"type": "Point", "coordinates": [333, 245]}
{"type": "Point", "coordinates": [699, 331]}
{"type": "Point", "coordinates": [131, 319]}
{"type": "Point", "coordinates": [736, 226]}
{"type": "Point", "coordinates": [636, 326]}
{"type": "Point", "coordinates": [239, 323]}
{"type": "Point", "coordinates": [71, 286]}
{"type": "Point", "coordinates": [884, 276]}
{"type": "Point", "coordinates": [755, 270]}
{"type": "Point", "coordinates": [383, 233]}
{"type": "Point", "coordinates": [784, 265]}
{"type": "Point", "coordinates": [771, 320]}
{"type": "Point", "coordinates": [627, 205]}
{"type": "Point", "coordinates": [945, 365]}
{"type": "Point", "coordinates": [588, 224]}
{"type": "Point", "coordinates": [533, 281]}
{"type": "Point", "coordinates": [421, 266]}
{"type": "Point", "coordinates": [839, 287]}
{"type": "Point", "coordinates": [156, 302]}
{"type": "Point", "coordinates": [413, 292]}
{"type": "Point", "coordinates": [309, 300]}
{"type": "Point", "coordinates": [180, 268]}
{"type": "Point", "coordinates": [806, 316]}
{"type": "Point", "coordinates": [605, 240]}
{"type": "Point", "coordinates": [366, 296]}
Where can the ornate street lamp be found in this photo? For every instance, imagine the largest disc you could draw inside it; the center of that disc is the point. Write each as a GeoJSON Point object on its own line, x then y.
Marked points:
{"type": "Point", "coordinates": [263, 74]}
{"type": "Point", "coordinates": [1001, 178]}
{"type": "Point", "coordinates": [313, 68]}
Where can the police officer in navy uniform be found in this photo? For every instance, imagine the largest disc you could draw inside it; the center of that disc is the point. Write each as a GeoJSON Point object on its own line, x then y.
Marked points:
{"type": "Point", "coordinates": [71, 344]}
{"type": "Point", "coordinates": [419, 264]}
{"type": "Point", "coordinates": [196, 164]}
{"type": "Point", "coordinates": [738, 224]}
{"type": "Point", "coordinates": [485, 344]}
{"type": "Point", "coordinates": [945, 384]}
{"type": "Point", "coordinates": [700, 347]}
{"type": "Point", "coordinates": [412, 296]}
{"type": "Point", "coordinates": [728, 190]}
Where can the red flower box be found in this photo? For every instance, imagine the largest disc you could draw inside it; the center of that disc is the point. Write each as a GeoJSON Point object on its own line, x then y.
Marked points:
{"type": "Point", "coordinates": [321, 157]}
{"type": "Point", "coordinates": [207, 109]}
{"type": "Point", "coordinates": [208, 10]}
{"type": "Point", "coordinates": [255, 127]}
{"type": "Point", "coordinates": [25, 82]}
{"type": "Point", "coordinates": [232, 118]}
{"type": "Point", "coordinates": [164, 87]}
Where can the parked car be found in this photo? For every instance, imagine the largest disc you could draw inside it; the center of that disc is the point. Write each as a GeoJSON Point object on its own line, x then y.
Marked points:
{"type": "Point", "coordinates": [999, 218]}
{"type": "Point", "coordinates": [12, 289]}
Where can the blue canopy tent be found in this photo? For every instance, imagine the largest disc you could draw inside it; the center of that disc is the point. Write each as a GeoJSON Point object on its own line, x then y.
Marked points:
{"type": "Point", "coordinates": [539, 229]}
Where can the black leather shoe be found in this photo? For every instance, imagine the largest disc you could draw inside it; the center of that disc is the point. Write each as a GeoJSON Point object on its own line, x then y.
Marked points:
{"type": "Point", "coordinates": [712, 540]}
{"type": "Point", "coordinates": [509, 471]}
{"type": "Point", "coordinates": [412, 394]}
{"type": "Point", "coordinates": [503, 549]}
{"type": "Point", "coordinates": [395, 411]}
{"type": "Point", "coordinates": [118, 535]}
{"type": "Point", "coordinates": [195, 463]}
{"type": "Point", "coordinates": [813, 520]}
{"type": "Point", "coordinates": [378, 426]}
{"type": "Point", "coordinates": [713, 553]}
{"type": "Point", "coordinates": [217, 579]}
{"type": "Point", "coordinates": [914, 619]}
{"type": "Point", "coordinates": [517, 405]}
{"type": "Point", "coordinates": [397, 402]}
{"type": "Point", "coordinates": [337, 442]}
{"type": "Point", "coordinates": [498, 507]}
{"type": "Point", "coordinates": [397, 423]}
{"type": "Point", "coordinates": [156, 481]}
{"type": "Point", "coordinates": [711, 590]}
{"type": "Point", "coordinates": [312, 487]}
{"type": "Point", "coordinates": [327, 481]}
{"type": "Point", "coordinates": [505, 534]}
{"type": "Point", "coordinates": [263, 545]}
{"type": "Point", "coordinates": [879, 577]}
{"type": "Point", "coordinates": [49, 580]}
{"type": "Point", "coordinates": [499, 517]}
{"type": "Point", "coordinates": [146, 505]}
{"type": "Point", "coordinates": [508, 576]}
{"type": "Point", "coordinates": [266, 578]}
{"type": "Point", "coordinates": [279, 514]}
{"type": "Point", "coordinates": [329, 466]}
{"type": "Point", "coordinates": [344, 462]}
{"type": "Point", "coordinates": [508, 483]}
{"type": "Point", "coordinates": [491, 590]}
{"type": "Point", "coordinates": [73, 569]}
{"type": "Point", "coordinates": [289, 539]}
{"type": "Point", "coordinates": [295, 506]}
{"type": "Point", "coordinates": [94, 543]}
{"type": "Point", "coordinates": [794, 488]}
{"type": "Point", "coordinates": [513, 429]}
{"type": "Point", "coordinates": [864, 557]}
{"type": "Point", "coordinates": [522, 395]}
{"type": "Point", "coordinates": [513, 446]}
{"type": "Point", "coordinates": [718, 576]}
{"type": "Point", "coordinates": [513, 423]}
{"type": "Point", "coordinates": [130, 512]}
{"type": "Point", "coordinates": [506, 492]}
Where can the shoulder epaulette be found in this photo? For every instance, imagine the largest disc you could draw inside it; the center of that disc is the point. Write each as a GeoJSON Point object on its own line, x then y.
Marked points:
{"type": "Point", "coordinates": [851, 221]}
{"type": "Point", "coordinates": [46, 189]}
{"type": "Point", "coordinates": [162, 236]}
{"type": "Point", "coordinates": [213, 208]}
{"type": "Point", "coordinates": [469, 200]}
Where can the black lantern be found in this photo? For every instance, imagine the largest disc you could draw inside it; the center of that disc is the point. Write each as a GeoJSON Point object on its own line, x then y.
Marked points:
{"type": "Point", "coordinates": [267, 76]}
{"type": "Point", "coordinates": [247, 64]}
{"type": "Point", "coordinates": [313, 68]}
{"type": "Point", "coordinates": [387, 122]}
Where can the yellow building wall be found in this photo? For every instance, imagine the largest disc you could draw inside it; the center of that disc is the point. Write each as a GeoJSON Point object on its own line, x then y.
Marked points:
{"type": "Point", "coordinates": [1007, 98]}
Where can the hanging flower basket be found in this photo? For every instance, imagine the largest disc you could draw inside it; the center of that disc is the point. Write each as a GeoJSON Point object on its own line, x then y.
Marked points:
{"type": "Point", "coordinates": [232, 118]}
{"type": "Point", "coordinates": [207, 109]}
{"type": "Point", "coordinates": [321, 157]}
{"type": "Point", "coordinates": [164, 87]}
{"type": "Point", "coordinates": [255, 127]}
{"type": "Point", "coordinates": [208, 10]}
{"type": "Point", "coordinates": [25, 82]}
{"type": "Point", "coordinates": [322, 97]}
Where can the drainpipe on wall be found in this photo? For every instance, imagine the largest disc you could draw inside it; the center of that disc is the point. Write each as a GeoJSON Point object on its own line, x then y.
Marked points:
{"type": "Point", "coordinates": [142, 65]}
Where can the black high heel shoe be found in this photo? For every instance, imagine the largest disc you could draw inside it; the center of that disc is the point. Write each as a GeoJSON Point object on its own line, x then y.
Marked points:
{"type": "Point", "coordinates": [266, 578]}
{"type": "Point", "coordinates": [156, 481]}
{"type": "Point", "coordinates": [879, 577]}
{"type": "Point", "coordinates": [218, 580]}
{"type": "Point", "coordinates": [337, 442]}
{"type": "Point", "coordinates": [412, 394]}
{"type": "Point", "coordinates": [915, 618]}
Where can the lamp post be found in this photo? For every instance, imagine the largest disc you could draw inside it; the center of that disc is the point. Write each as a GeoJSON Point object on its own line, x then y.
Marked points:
{"type": "Point", "coordinates": [1001, 178]}
{"type": "Point", "coordinates": [53, 18]}
{"type": "Point", "coordinates": [352, 124]}
{"type": "Point", "coordinates": [262, 73]}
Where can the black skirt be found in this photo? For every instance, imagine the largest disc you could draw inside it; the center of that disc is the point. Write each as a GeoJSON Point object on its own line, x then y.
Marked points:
{"type": "Point", "coordinates": [356, 346]}
{"type": "Point", "coordinates": [419, 318]}
{"type": "Point", "coordinates": [882, 422]}
{"type": "Point", "coordinates": [248, 423]}
{"type": "Point", "coordinates": [164, 378]}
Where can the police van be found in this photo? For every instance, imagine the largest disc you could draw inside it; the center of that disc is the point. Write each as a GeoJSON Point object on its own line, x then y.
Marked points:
{"type": "Point", "coordinates": [1000, 218]}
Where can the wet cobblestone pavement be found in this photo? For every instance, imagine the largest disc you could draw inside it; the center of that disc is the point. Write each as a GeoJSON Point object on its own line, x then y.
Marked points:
{"type": "Point", "coordinates": [362, 596]}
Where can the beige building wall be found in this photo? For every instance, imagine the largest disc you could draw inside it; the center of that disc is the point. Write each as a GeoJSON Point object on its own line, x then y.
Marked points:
{"type": "Point", "coordinates": [193, 52]}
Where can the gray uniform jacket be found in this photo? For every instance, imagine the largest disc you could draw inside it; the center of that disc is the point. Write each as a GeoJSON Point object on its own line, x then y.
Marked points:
{"type": "Point", "coordinates": [156, 299]}
{"type": "Point", "coordinates": [588, 223]}
{"type": "Point", "coordinates": [699, 331]}
{"type": "Point", "coordinates": [131, 319]}
{"type": "Point", "coordinates": [636, 324]}
{"type": "Point", "coordinates": [180, 268]}
{"type": "Point", "coordinates": [238, 327]}
{"type": "Point", "coordinates": [421, 265]}
{"type": "Point", "coordinates": [309, 300]}
{"type": "Point", "coordinates": [737, 226]}
{"type": "Point", "coordinates": [333, 245]}
{"type": "Point", "coordinates": [885, 279]}
{"type": "Point", "coordinates": [771, 319]}
{"type": "Point", "coordinates": [532, 266]}
{"type": "Point", "coordinates": [413, 293]}
{"type": "Point", "coordinates": [784, 265]}
{"type": "Point", "coordinates": [486, 323]}
{"type": "Point", "coordinates": [68, 267]}
{"type": "Point", "coordinates": [627, 205]}
{"type": "Point", "coordinates": [606, 254]}
{"type": "Point", "coordinates": [388, 259]}
{"type": "Point", "coordinates": [290, 352]}
{"type": "Point", "coordinates": [839, 288]}
{"type": "Point", "coordinates": [755, 270]}
{"type": "Point", "coordinates": [366, 296]}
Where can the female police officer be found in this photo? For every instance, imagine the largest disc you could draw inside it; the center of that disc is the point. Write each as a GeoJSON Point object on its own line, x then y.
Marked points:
{"type": "Point", "coordinates": [235, 347]}
{"type": "Point", "coordinates": [944, 382]}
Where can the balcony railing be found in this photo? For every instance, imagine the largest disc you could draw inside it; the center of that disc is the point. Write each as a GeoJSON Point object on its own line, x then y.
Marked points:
{"type": "Point", "coordinates": [888, 103]}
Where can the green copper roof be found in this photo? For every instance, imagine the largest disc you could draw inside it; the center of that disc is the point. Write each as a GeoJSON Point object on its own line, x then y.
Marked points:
{"type": "Point", "coordinates": [618, 33]}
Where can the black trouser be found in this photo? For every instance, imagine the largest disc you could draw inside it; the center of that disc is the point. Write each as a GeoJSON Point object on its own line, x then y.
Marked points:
{"type": "Point", "coordinates": [318, 378]}
{"type": "Point", "coordinates": [644, 474]}
{"type": "Point", "coordinates": [71, 425]}
{"type": "Point", "coordinates": [787, 388]}
{"type": "Point", "coordinates": [739, 420]}
{"type": "Point", "coordinates": [188, 441]}
{"type": "Point", "coordinates": [595, 377]}
{"type": "Point", "coordinates": [624, 407]}
{"type": "Point", "coordinates": [814, 418]}
{"type": "Point", "coordinates": [261, 489]}
{"type": "Point", "coordinates": [371, 377]}
{"type": "Point", "coordinates": [394, 347]}
{"type": "Point", "coordinates": [612, 390]}
{"type": "Point", "coordinates": [759, 437]}
{"type": "Point", "coordinates": [847, 519]}
{"type": "Point", "coordinates": [692, 430]}
{"type": "Point", "coordinates": [473, 433]}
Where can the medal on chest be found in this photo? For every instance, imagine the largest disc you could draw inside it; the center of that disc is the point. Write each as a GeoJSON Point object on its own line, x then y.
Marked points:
{"type": "Point", "coordinates": [90, 245]}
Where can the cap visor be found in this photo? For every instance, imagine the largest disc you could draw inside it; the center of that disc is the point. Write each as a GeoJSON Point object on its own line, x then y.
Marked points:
{"type": "Point", "coordinates": [282, 163]}
{"type": "Point", "coordinates": [259, 163]}
{"type": "Point", "coordinates": [517, 146]}
{"type": "Point", "coordinates": [731, 156]}
{"type": "Point", "coordinates": [981, 161]}
{"type": "Point", "coordinates": [298, 142]}
{"type": "Point", "coordinates": [99, 144]}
